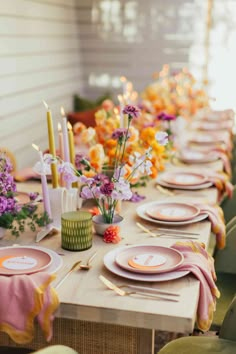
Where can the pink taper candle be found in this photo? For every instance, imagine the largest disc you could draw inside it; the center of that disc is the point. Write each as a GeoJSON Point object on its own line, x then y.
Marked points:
{"type": "Point", "coordinates": [46, 200]}
{"type": "Point", "coordinates": [65, 136]}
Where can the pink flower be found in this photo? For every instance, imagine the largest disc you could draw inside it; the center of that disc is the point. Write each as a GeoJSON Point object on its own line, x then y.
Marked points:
{"type": "Point", "coordinates": [132, 111]}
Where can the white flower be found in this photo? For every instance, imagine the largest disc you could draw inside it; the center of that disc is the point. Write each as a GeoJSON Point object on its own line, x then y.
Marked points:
{"type": "Point", "coordinates": [42, 169]}
{"type": "Point", "coordinates": [161, 138]}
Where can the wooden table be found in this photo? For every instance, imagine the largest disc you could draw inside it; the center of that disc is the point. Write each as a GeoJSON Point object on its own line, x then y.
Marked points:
{"type": "Point", "coordinates": [83, 297]}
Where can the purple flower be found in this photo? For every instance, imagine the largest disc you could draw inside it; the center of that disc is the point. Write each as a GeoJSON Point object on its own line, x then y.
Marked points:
{"type": "Point", "coordinates": [11, 203]}
{"type": "Point", "coordinates": [107, 188]}
{"type": "Point", "coordinates": [162, 138]}
{"type": "Point", "coordinates": [86, 193]}
{"type": "Point", "coordinates": [81, 161]}
{"type": "Point", "coordinates": [120, 134]}
{"type": "Point", "coordinates": [132, 111]}
{"type": "Point", "coordinates": [165, 117]}
{"type": "Point", "coordinates": [3, 204]}
{"type": "Point", "coordinates": [68, 172]}
{"type": "Point", "coordinates": [100, 178]}
{"type": "Point", "coordinates": [33, 196]}
{"type": "Point", "coordinates": [136, 197]}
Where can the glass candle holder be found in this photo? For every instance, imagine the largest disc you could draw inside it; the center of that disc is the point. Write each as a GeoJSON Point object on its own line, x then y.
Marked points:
{"type": "Point", "coordinates": [76, 230]}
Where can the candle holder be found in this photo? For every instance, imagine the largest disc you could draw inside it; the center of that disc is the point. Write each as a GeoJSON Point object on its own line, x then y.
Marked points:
{"type": "Point", "coordinates": [62, 200]}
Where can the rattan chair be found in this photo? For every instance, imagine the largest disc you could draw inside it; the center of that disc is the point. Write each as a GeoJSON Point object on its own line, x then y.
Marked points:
{"type": "Point", "coordinates": [225, 343]}
{"type": "Point", "coordinates": [53, 349]}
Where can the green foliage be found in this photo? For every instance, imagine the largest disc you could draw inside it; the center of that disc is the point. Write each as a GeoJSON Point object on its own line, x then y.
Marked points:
{"type": "Point", "coordinates": [83, 104]}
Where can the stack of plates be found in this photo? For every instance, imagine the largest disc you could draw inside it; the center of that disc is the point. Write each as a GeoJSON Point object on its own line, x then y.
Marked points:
{"type": "Point", "coordinates": [27, 260]}
{"type": "Point", "coordinates": [145, 262]}
{"type": "Point", "coordinates": [195, 157]}
{"type": "Point", "coordinates": [169, 213]}
{"type": "Point", "coordinates": [184, 180]}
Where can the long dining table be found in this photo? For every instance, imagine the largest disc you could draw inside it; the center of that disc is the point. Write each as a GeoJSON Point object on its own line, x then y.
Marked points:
{"type": "Point", "coordinates": [94, 319]}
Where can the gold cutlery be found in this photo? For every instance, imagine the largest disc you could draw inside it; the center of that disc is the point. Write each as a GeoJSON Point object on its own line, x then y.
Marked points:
{"type": "Point", "coordinates": [177, 231]}
{"type": "Point", "coordinates": [87, 265]}
{"type": "Point", "coordinates": [148, 289]}
{"type": "Point", "coordinates": [121, 292]}
{"type": "Point", "coordinates": [165, 234]}
{"type": "Point", "coordinates": [75, 265]}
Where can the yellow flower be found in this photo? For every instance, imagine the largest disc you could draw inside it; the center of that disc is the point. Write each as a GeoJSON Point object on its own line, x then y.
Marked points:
{"type": "Point", "coordinates": [97, 156]}
{"type": "Point", "coordinates": [88, 135]}
{"type": "Point", "coordinates": [134, 134]}
{"type": "Point", "coordinates": [100, 116]}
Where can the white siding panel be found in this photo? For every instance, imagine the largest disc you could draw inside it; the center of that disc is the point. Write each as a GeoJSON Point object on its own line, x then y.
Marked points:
{"type": "Point", "coordinates": [39, 60]}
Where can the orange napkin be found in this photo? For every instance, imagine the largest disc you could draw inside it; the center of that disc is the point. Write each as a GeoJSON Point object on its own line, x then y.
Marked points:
{"type": "Point", "coordinates": [24, 299]}
{"type": "Point", "coordinates": [216, 217]}
{"type": "Point", "coordinates": [201, 265]}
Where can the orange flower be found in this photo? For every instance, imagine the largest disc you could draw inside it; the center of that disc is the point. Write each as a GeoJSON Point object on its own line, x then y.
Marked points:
{"type": "Point", "coordinates": [97, 155]}
{"type": "Point", "coordinates": [78, 128]}
{"type": "Point", "coordinates": [94, 211]}
{"type": "Point", "coordinates": [112, 234]}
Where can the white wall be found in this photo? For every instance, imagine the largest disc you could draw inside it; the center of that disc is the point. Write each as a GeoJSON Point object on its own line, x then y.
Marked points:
{"type": "Point", "coordinates": [39, 60]}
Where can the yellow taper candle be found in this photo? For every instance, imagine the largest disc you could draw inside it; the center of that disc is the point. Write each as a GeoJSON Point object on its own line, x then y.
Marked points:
{"type": "Point", "coordinates": [52, 148]}
{"type": "Point", "coordinates": [71, 143]}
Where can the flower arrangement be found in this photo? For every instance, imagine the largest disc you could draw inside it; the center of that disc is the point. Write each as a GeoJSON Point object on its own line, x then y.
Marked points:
{"type": "Point", "coordinates": [101, 144]}
{"type": "Point", "coordinates": [108, 190]}
{"type": "Point", "coordinates": [174, 93]}
{"type": "Point", "coordinates": [15, 216]}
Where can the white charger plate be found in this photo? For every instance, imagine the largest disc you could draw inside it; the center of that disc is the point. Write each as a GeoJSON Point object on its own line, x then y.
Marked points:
{"type": "Point", "coordinates": [110, 264]}
{"type": "Point", "coordinates": [141, 211]}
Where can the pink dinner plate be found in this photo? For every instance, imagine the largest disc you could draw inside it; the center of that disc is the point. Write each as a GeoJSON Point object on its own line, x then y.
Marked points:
{"type": "Point", "coordinates": [149, 259]}
{"type": "Point", "coordinates": [184, 178]}
{"type": "Point", "coordinates": [192, 156]}
{"type": "Point", "coordinates": [23, 260]}
{"type": "Point", "coordinates": [169, 211]}
{"type": "Point", "coordinates": [206, 139]}
{"type": "Point", "coordinates": [22, 197]}
{"type": "Point", "coordinates": [112, 266]}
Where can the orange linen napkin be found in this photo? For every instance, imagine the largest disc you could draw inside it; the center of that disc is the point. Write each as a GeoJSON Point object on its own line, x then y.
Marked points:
{"type": "Point", "coordinates": [25, 298]}
{"type": "Point", "coordinates": [225, 156]}
{"type": "Point", "coordinates": [201, 265]}
{"type": "Point", "coordinates": [216, 217]}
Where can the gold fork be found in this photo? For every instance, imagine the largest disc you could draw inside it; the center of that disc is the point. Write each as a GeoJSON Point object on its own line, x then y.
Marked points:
{"type": "Point", "coordinates": [74, 266]}
{"type": "Point", "coordinates": [122, 292]}
{"type": "Point", "coordinates": [165, 234]}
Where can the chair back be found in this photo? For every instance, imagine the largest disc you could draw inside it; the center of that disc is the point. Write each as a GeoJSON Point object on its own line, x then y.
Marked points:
{"type": "Point", "coordinates": [225, 258]}
{"type": "Point", "coordinates": [228, 328]}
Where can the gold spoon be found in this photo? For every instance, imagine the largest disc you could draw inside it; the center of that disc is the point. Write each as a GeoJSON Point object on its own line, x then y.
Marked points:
{"type": "Point", "coordinates": [87, 265]}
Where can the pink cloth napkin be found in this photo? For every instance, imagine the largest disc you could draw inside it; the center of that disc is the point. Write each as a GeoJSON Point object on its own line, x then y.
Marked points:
{"type": "Point", "coordinates": [222, 183]}
{"type": "Point", "coordinates": [201, 265]}
{"type": "Point", "coordinates": [216, 218]}
{"type": "Point", "coordinates": [25, 298]}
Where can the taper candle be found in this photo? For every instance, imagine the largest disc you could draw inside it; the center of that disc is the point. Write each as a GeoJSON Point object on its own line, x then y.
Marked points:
{"type": "Point", "coordinates": [60, 141]}
{"type": "Point", "coordinates": [120, 99]}
{"type": "Point", "coordinates": [71, 143]}
{"type": "Point", "coordinates": [65, 136]}
{"type": "Point", "coordinates": [46, 200]}
{"type": "Point", "coordinates": [52, 148]}
{"type": "Point", "coordinates": [124, 83]}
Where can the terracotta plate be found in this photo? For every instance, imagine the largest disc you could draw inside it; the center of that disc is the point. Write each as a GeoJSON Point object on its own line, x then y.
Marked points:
{"type": "Point", "coordinates": [111, 265]}
{"type": "Point", "coordinates": [150, 259]}
{"type": "Point", "coordinates": [184, 178]}
{"type": "Point", "coordinates": [169, 211]}
{"type": "Point", "coordinates": [23, 260]}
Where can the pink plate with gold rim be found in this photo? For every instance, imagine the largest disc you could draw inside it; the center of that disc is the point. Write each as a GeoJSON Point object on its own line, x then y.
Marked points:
{"type": "Point", "coordinates": [23, 260]}
{"type": "Point", "coordinates": [149, 259]}
{"type": "Point", "coordinates": [184, 178]}
{"type": "Point", "coordinates": [170, 211]}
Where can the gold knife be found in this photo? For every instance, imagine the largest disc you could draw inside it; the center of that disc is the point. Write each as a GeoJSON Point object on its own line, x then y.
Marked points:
{"type": "Point", "coordinates": [67, 274]}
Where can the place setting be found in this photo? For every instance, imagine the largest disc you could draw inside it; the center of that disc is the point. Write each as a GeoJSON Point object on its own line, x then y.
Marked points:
{"type": "Point", "coordinates": [170, 213]}
{"type": "Point", "coordinates": [18, 260]}
{"type": "Point", "coordinates": [184, 180]}
{"type": "Point", "coordinates": [147, 263]}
